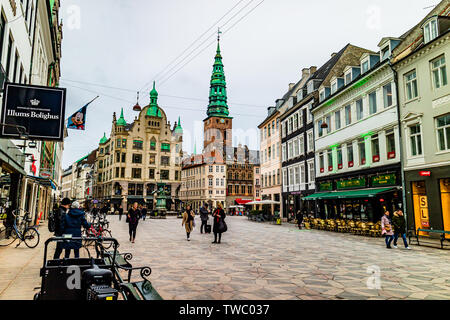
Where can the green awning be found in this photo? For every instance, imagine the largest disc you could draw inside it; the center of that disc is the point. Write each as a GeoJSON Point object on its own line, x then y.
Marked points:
{"type": "Point", "coordinates": [353, 194]}
{"type": "Point", "coordinates": [316, 196]}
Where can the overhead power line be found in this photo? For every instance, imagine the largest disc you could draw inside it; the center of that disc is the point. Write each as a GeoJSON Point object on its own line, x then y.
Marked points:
{"type": "Point", "coordinates": [202, 43]}
{"type": "Point", "coordinates": [191, 45]}
{"type": "Point", "coordinates": [174, 73]}
{"type": "Point", "coordinates": [165, 107]}
{"type": "Point", "coordinates": [162, 95]}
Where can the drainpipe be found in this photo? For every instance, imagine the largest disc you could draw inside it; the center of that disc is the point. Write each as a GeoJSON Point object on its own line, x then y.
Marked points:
{"type": "Point", "coordinates": [34, 41]}
{"type": "Point", "coordinates": [400, 134]}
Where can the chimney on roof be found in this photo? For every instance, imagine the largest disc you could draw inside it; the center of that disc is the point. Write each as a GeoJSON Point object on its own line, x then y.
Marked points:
{"type": "Point", "coordinates": [291, 85]}
{"type": "Point", "coordinates": [305, 73]}
{"type": "Point", "coordinates": [312, 70]}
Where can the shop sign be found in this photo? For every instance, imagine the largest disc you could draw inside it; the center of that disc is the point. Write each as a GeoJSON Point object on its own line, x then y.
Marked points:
{"type": "Point", "coordinates": [326, 186]}
{"type": "Point", "coordinates": [425, 173]}
{"type": "Point", "coordinates": [45, 174]}
{"type": "Point", "coordinates": [424, 218]}
{"type": "Point", "coordinates": [40, 111]}
{"type": "Point", "coordinates": [384, 180]}
{"type": "Point", "coordinates": [351, 184]}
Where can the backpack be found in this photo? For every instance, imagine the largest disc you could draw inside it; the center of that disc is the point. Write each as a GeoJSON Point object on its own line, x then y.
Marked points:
{"type": "Point", "coordinates": [52, 221]}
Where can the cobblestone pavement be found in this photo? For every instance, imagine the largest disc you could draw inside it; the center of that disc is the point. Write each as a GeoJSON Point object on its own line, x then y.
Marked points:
{"type": "Point", "coordinates": [258, 261]}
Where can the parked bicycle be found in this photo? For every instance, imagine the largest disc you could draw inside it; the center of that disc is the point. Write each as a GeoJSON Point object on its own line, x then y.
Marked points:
{"type": "Point", "coordinates": [20, 230]}
{"type": "Point", "coordinates": [98, 230]}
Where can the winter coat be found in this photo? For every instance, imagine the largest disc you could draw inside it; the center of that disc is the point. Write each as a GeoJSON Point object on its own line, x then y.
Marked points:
{"type": "Point", "coordinates": [219, 215]}
{"type": "Point", "coordinates": [71, 224]}
{"type": "Point", "coordinates": [143, 212]}
{"type": "Point", "coordinates": [203, 214]}
{"type": "Point", "coordinates": [120, 211]}
{"type": "Point", "coordinates": [189, 226]}
{"type": "Point", "coordinates": [59, 217]}
{"type": "Point", "coordinates": [135, 215]}
{"type": "Point", "coordinates": [385, 221]}
{"type": "Point", "coordinates": [399, 223]}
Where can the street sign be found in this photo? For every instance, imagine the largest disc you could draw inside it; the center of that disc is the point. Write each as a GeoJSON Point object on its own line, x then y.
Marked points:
{"type": "Point", "coordinates": [40, 110]}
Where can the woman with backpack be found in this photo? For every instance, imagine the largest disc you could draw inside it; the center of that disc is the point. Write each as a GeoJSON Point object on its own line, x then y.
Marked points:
{"type": "Point", "coordinates": [188, 221]}
{"type": "Point", "coordinates": [219, 226]}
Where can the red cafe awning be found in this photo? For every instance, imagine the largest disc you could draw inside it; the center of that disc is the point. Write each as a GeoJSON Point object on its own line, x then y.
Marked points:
{"type": "Point", "coordinates": [243, 201]}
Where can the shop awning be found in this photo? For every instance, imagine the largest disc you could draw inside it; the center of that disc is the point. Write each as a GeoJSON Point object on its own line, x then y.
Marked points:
{"type": "Point", "coordinates": [243, 201]}
{"type": "Point", "coordinates": [351, 194]}
{"type": "Point", "coordinates": [46, 182]}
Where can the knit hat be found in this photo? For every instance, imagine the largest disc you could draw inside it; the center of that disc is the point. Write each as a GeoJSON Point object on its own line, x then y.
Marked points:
{"type": "Point", "coordinates": [66, 201]}
{"type": "Point", "coordinates": [75, 205]}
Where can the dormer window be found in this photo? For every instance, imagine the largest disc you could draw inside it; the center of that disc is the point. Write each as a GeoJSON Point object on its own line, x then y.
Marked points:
{"type": "Point", "coordinates": [430, 30]}
{"type": "Point", "coordinates": [333, 87]}
{"type": "Point", "coordinates": [300, 95]}
{"type": "Point", "coordinates": [385, 53]}
{"type": "Point", "coordinates": [322, 95]}
{"type": "Point", "coordinates": [310, 86]}
{"type": "Point", "coordinates": [348, 77]}
{"type": "Point", "coordinates": [365, 66]}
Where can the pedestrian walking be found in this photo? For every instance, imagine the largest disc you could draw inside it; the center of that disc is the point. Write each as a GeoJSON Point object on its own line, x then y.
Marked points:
{"type": "Point", "coordinates": [71, 225]}
{"type": "Point", "coordinates": [60, 215]}
{"type": "Point", "coordinates": [144, 213]}
{"type": "Point", "coordinates": [299, 219]}
{"type": "Point", "coordinates": [399, 223]}
{"type": "Point", "coordinates": [133, 216]}
{"type": "Point", "coordinates": [386, 227]}
{"type": "Point", "coordinates": [204, 213]}
{"type": "Point", "coordinates": [188, 221]}
{"type": "Point", "coordinates": [219, 223]}
{"type": "Point", "coordinates": [120, 212]}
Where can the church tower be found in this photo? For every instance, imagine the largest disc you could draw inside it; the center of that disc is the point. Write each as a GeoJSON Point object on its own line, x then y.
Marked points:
{"type": "Point", "coordinates": [218, 125]}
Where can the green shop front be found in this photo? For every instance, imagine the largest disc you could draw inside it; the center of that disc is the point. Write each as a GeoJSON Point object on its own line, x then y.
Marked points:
{"type": "Point", "coordinates": [362, 197]}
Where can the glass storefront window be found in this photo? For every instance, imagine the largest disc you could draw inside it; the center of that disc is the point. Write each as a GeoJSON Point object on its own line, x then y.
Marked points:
{"type": "Point", "coordinates": [445, 202]}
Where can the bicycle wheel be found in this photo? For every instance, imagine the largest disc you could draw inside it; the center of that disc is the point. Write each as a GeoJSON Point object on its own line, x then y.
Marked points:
{"type": "Point", "coordinates": [6, 241]}
{"type": "Point", "coordinates": [31, 238]}
{"type": "Point", "coordinates": [107, 234]}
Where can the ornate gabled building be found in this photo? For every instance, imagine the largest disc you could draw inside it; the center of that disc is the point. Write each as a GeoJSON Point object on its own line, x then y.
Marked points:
{"type": "Point", "coordinates": [140, 156]}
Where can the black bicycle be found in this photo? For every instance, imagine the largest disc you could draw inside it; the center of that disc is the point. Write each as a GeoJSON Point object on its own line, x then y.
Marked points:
{"type": "Point", "coordinates": [20, 230]}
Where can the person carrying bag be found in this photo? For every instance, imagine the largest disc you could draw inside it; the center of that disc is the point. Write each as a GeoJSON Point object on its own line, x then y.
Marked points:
{"type": "Point", "coordinates": [220, 225]}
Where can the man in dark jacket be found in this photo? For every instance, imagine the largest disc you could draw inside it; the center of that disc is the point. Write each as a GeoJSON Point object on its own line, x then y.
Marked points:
{"type": "Point", "coordinates": [120, 212]}
{"type": "Point", "coordinates": [143, 212]}
{"type": "Point", "coordinates": [398, 220]}
{"type": "Point", "coordinates": [71, 225]}
{"type": "Point", "coordinates": [59, 217]}
{"type": "Point", "coordinates": [204, 217]}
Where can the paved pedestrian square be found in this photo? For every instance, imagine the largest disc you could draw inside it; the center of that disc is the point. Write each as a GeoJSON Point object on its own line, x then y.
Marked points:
{"type": "Point", "coordinates": [258, 261]}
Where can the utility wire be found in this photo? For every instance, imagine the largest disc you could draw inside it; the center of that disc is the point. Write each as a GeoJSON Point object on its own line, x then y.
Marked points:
{"type": "Point", "coordinates": [165, 107]}
{"type": "Point", "coordinates": [202, 43]}
{"type": "Point", "coordinates": [166, 79]}
{"type": "Point", "coordinates": [191, 45]}
{"type": "Point", "coordinates": [161, 95]}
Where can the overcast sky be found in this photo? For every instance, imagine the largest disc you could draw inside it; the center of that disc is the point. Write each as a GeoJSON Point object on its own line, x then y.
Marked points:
{"type": "Point", "coordinates": [126, 43]}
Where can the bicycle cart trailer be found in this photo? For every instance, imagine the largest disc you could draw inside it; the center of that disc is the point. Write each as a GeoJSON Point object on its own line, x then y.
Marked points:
{"type": "Point", "coordinates": [94, 278]}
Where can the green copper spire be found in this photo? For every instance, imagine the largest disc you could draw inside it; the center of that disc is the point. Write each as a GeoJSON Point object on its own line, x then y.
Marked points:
{"type": "Point", "coordinates": [218, 106]}
{"type": "Point", "coordinates": [154, 111]}
{"type": "Point", "coordinates": [104, 139]}
{"type": "Point", "coordinates": [179, 129]}
{"type": "Point", "coordinates": [195, 148]}
{"type": "Point", "coordinates": [121, 121]}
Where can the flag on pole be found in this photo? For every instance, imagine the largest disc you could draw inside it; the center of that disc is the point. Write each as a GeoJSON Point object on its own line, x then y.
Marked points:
{"type": "Point", "coordinates": [78, 120]}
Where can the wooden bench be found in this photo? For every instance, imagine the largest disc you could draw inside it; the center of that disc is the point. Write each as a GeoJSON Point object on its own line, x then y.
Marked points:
{"type": "Point", "coordinates": [416, 234]}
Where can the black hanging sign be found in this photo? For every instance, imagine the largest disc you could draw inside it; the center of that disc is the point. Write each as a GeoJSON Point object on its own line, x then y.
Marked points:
{"type": "Point", "coordinates": [40, 110]}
